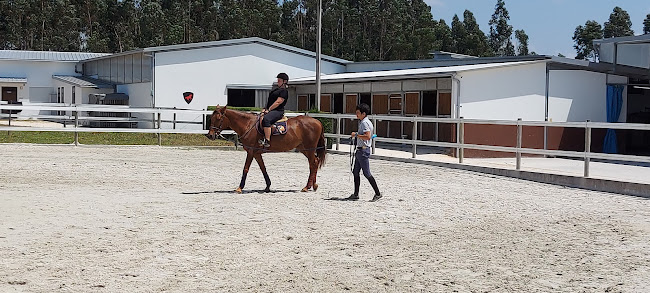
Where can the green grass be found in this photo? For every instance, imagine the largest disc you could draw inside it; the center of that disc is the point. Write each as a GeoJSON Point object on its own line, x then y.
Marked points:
{"type": "Point", "coordinates": [110, 138]}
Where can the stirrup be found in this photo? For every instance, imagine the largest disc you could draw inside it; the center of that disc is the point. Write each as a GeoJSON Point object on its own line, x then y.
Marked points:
{"type": "Point", "coordinates": [265, 143]}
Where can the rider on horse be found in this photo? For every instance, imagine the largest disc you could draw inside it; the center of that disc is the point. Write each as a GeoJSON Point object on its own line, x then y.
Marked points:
{"type": "Point", "coordinates": [274, 109]}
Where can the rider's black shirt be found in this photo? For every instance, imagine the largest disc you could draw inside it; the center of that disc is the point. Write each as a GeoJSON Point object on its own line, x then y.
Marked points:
{"type": "Point", "coordinates": [274, 95]}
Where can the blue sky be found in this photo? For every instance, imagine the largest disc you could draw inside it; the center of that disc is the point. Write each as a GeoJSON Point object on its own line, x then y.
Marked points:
{"type": "Point", "coordinates": [549, 23]}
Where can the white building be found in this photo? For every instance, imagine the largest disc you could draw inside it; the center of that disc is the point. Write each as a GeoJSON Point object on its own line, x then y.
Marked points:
{"type": "Point", "coordinates": [241, 72]}
{"type": "Point", "coordinates": [234, 72]}
{"type": "Point", "coordinates": [28, 77]}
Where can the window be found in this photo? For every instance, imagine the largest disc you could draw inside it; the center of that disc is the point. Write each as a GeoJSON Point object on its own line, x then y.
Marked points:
{"type": "Point", "coordinates": [429, 103]}
{"type": "Point", "coordinates": [338, 103]}
{"type": "Point", "coordinates": [395, 104]}
{"type": "Point", "coordinates": [241, 98]}
{"type": "Point", "coordinates": [366, 98]}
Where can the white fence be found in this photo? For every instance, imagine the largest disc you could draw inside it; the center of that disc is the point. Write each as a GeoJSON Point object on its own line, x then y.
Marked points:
{"type": "Point", "coordinates": [459, 145]}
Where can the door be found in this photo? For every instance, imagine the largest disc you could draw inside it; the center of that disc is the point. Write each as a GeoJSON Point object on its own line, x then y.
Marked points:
{"type": "Point", "coordinates": [10, 94]}
{"type": "Point", "coordinates": [350, 108]}
{"type": "Point", "coordinates": [303, 102]}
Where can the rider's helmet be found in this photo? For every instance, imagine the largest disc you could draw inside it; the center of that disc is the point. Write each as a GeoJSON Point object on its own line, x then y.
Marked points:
{"type": "Point", "coordinates": [284, 76]}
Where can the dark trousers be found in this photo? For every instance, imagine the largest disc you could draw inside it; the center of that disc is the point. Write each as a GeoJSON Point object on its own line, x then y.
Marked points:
{"type": "Point", "coordinates": [271, 117]}
{"type": "Point", "coordinates": [362, 162]}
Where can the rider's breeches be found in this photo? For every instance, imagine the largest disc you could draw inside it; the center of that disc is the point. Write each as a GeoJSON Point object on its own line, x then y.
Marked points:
{"type": "Point", "coordinates": [271, 117]}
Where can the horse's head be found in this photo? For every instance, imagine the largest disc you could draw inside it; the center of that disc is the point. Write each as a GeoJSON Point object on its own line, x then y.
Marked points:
{"type": "Point", "coordinates": [217, 123]}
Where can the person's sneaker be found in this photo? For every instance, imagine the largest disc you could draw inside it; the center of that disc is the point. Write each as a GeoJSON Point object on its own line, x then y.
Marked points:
{"type": "Point", "coordinates": [353, 197]}
{"type": "Point", "coordinates": [376, 197]}
{"type": "Point", "coordinates": [264, 143]}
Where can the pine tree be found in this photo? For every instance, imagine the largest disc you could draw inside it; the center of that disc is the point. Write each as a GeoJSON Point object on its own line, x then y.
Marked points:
{"type": "Point", "coordinates": [646, 24]}
{"type": "Point", "coordinates": [477, 42]}
{"type": "Point", "coordinates": [522, 40]}
{"type": "Point", "coordinates": [619, 24]}
{"type": "Point", "coordinates": [501, 31]}
{"type": "Point", "coordinates": [444, 41]}
{"type": "Point", "coordinates": [584, 37]}
{"type": "Point", "coordinates": [458, 36]}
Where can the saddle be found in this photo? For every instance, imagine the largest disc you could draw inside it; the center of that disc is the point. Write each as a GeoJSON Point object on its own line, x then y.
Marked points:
{"type": "Point", "coordinates": [277, 128]}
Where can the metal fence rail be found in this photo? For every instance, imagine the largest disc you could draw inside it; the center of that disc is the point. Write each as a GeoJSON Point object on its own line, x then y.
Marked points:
{"type": "Point", "coordinates": [459, 145]}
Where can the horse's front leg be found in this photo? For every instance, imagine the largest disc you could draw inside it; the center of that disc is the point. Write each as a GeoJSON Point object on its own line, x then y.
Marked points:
{"type": "Point", "coordinates": [260, 161]}
{"type": "Point", "coordinates": [247, 165]}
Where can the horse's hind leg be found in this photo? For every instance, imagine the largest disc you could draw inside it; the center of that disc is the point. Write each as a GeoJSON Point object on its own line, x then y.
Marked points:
{"type": "Point", "coordinates": [247, 165]}
{"type": "Point", "coordinates": [313, 168]}
{"type": "Point", "coordinates": [258, 158]}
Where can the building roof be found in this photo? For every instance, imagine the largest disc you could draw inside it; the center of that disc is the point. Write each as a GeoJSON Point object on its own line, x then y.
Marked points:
{"type": "Point", "coordinates": [83, 81]}
{"type": "Point", "coordinates": [244, 41]}
{"type": "Point", "coordinates": [625, 40]}
{"type": "Point", "coordinates": [405, 73]}
{"type": "Point", "coordinates": [13, 79]}
{"type": "Point", "coordinates": [47, 55]}
{"type": "Point", "coordinates": [427, 63]}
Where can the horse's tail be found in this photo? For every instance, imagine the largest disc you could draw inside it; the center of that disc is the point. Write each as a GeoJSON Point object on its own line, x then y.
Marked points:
{"type": "Point", "coordinates": [322, 148]}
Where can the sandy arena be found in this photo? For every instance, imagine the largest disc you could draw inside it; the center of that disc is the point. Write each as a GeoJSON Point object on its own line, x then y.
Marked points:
{"type": "Point", "coordinates": [159, 219]}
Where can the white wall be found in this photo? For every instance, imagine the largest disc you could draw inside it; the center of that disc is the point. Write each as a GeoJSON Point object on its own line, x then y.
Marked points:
{"type": "Point", "coordinates": [139, 96]}
{"type": "Point", "coordinates": [519, 92]}
{"type": "Point", "coordinates": [503, 93]}
{"type": "Point", "coordinates": [576, 95]}
{"type": "Point", "coordinates": [39, 84]}
{"type": "Point", "coordinates": [207, 71]}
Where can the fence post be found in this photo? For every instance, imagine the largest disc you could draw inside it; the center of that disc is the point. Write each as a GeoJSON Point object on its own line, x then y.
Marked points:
{"type": "Point", "coordinates": [587, 147]}
{"type": "Point", "coordinates": [414, 137]}
{"type": "Point", "coordinates": [174, 122]}
{"type": "Point", "coordinates": [338, 131]}
{"type": "Point", "coordinates": [460, 139]}
{"type": "Point", "coordinates": [76, 125]}
{"type": "Point", "coordinates": [519, 128]}
{"type": "Point", "coordinates": [159, 135]}
{"type": "Point", "coordinates": [374, 130]}
{"type": "Point", "coordinates": [9, 132]}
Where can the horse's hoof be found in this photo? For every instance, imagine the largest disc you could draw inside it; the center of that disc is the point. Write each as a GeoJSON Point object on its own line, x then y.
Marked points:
{"type": "Point", "coordinates": [305, 189]}
{"type": "Point", "coordinates": [238, 190]}
{"type": "Point", "coordinates": [315, 186]}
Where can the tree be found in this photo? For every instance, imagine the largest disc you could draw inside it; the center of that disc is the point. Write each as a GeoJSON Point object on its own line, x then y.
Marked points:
{"type": "Point", "coordinates": [152, 24]}
{"type": "Point", "coordinates": [522, 42]}
{"type": "Point", "coordinates": [458, 36]}
{"type": "Point", "coordinates": [477, 42]}
{"type": "Point", "coordinates": [444, 42]}
{"type": "Point", "coordinates": [619, 24]}
{"type": "Point", "coordinates": [561, 55]}
{"type": "Point", "coordinates": [584, 37]}
{"type": "Point", "coordinates": [646, 24]}
{"type": "Point", "coordinates": [501, 31]}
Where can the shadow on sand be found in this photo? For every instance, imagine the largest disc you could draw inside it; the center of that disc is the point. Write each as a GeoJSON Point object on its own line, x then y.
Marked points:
{"type": "Point", "coordinates": [243, 191]}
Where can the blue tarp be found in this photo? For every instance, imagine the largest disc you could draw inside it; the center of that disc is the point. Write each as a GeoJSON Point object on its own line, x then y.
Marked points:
{"type": "Point", "coordinates": [614, 105]}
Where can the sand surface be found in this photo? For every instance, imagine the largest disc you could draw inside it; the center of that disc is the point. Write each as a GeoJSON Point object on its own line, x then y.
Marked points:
{"type": "Point", "coordinates": [160, 219]}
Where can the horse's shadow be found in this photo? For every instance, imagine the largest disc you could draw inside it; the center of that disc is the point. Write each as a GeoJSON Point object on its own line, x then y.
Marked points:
{"type": "Point", "coordinates": [243, 192]}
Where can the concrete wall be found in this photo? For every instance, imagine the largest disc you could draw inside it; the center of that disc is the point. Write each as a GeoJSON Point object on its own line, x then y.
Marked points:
{"type": "Point", "coordinates": [207, 71]}
{"type": "Point", "coordinates": [581, 95]}
{"type": "Point", "coordinates": [503, 93]}
{"type": "Point", "coordinates": [519, 92]}
{"type": "Point", "coordinates": [140, 96]}
{"type": "Point", "coordinates": [39, 84]}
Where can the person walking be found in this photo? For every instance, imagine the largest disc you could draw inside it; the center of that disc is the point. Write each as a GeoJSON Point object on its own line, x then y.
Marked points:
{"type": "Point", "coordinates": [363, 138]}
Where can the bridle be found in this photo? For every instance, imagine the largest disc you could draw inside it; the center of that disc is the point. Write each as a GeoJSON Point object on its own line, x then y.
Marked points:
{"type": "Point", "coordinates": [219, 128]}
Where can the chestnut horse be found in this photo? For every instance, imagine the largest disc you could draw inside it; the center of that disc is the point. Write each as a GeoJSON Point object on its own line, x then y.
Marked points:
{"type": "Point", "coordinates": [304, 134]}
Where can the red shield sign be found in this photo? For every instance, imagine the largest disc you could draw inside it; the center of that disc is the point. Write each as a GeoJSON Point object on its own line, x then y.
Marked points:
{"type": "Point", "coordinates": [188, 96]}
